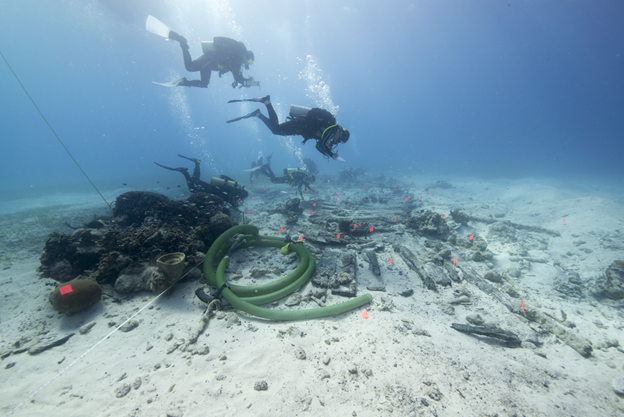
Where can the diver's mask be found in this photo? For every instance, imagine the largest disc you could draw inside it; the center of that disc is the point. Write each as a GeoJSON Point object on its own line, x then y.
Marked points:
{"type": "Point", "coordinates": [334, 135]}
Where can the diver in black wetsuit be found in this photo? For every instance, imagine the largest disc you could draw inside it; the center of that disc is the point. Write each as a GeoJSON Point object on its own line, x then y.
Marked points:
{"type": "Point", "coordinates": [316, 123]}
{"type": "Point", "coordinates": [256, 164]}
{"type": "Point", "coordinates": [294, 176]}
{"type": "Point", "coordinates": [225, 187]}
{"type": "Point", "coordinates": [222, 55]}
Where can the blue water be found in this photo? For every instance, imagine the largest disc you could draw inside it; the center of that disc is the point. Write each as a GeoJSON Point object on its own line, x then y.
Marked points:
{"type": "Point", "coordinates": [494, 89]}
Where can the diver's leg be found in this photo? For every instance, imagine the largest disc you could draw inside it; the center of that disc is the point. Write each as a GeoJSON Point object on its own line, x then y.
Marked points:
{"type": "Point", "coordinates": [255, 113]}
{"type": "Point", "coordinates": [201, 64]}
{"type": "Point", "coordinates": [196, 171]}
{"type": "Point", "coordinates": [202, 186]}
{"type": "Point", "coordinates": [183, 171]}
{"type": "Point", "coordinates": [263, 100]}
{"type": "Point", "coordinates": [205, 77]}
{"type": "Point", "coordinates": [194, 65]}
{"type": "Point", "coordinates": [289, 128]}
{"type": "Point", "coordinates": [272, 114]}
{"type": "Point", "coordinates": [177, 37]}
{"type": "Point", "coordinates": [269, 172]}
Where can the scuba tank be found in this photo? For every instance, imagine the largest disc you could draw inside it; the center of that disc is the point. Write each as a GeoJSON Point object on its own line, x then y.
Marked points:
{"type": "Point", "coordinates": [289, 173]}
{"type": "Point", "coordinates": [220, 182]}
{"type": "Point", "coordinates": [208, 47]}
{"type": "Point", "coordinates": [298, 111]}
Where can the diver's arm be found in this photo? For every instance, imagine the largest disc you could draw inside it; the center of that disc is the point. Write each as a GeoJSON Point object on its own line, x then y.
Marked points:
{"type": "Point", "coordinates": [325, 151]}
{"type": "Point", "coordinates": [244, 82]}
{"type": "Point", "coordinates": [238, 78]}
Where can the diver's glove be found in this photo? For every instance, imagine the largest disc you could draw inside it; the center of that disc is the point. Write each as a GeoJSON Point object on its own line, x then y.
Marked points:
{"type": "Point", "coordinates": [250, 82]}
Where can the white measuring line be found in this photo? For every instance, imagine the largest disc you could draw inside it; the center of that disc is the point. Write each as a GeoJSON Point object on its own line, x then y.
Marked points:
{"type": "Point", "coordinates": [93, 347]}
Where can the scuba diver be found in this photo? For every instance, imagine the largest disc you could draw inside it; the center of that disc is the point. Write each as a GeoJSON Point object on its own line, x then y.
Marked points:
{"type": "Point", "coordinates": [296, 177]}
{"type": "Point", "coordinates": [256, 166]}
{"type": "Point", "coordinates": [222, 55]}
{"type": "Point", "coordinates": [317, 124]}
{"type": "Point", "coordinates": [225, 187]}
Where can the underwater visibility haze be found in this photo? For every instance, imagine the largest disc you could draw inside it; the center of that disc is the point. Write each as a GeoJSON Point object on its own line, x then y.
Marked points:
{"type": "Point", "coordinates": [463, 164]}
{"type": "Point", "coordinates": [491, 88]}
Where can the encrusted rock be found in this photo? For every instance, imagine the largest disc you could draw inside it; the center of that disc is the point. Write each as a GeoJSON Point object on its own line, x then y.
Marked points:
{"type": "Point", "coordinates": [428, 223]}
{"type": "Point", "coordinates": [611, 284]}
{"type": "Point", "coordinates": [123, 390]}
{"type": "Point", "coordinates": [300, 353]}
{"type": "Point", "coordinates": [493, 276]}
{"type": "Point", "coordinates": [144, 226]}
{"type": "Point", "coordinates": [261, 385]}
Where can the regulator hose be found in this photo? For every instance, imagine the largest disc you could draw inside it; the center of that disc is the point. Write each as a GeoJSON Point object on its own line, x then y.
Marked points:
{"type": "Point", "coordinates": [247, 298]}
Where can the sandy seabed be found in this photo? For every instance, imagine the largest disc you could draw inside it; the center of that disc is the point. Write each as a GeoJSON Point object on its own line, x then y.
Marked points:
{"type": "Point", "coordinates": [404, 359]}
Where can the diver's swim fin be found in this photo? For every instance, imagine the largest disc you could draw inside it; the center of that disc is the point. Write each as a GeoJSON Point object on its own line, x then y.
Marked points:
{"type": "Point", "coordinates": [265, 100]}
{"type": "Point", "coordinates": [156, 26]}
{"type": "Point", "coordinates": [253, 169]}
{"type": "Point", "coordinates": [340, 159]}
{"type": "Point", "coordinates": [172, 169]}
{"type": "Point", "coordinates": [254, 113]}
{"type": "Point", "coordinates": [195, 160]}
{"type": "Point", "coordinates": [176, 83]}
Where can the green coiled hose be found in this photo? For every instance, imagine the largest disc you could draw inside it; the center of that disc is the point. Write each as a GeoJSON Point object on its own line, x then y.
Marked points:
{"type": "Point", "coordinates": [248, 298]}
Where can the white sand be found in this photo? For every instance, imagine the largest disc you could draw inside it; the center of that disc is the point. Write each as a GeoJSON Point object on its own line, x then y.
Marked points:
{"type": "Point", "coordinates": [377, 366]}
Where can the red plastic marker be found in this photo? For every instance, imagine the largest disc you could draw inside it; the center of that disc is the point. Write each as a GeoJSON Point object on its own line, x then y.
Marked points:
{"type": "Point", "coordinates": [454, 261]}
{"type": "Point", "coordinates": [435, 204]}
{"type": "Point", "coordinates": [338, 236]}
{"type": "Point", "coordinates": [355, 226]}
{"type": "Point", "coordinates": [255, 198]}
{"type": "Point", "coordinates": [314, 204]}
{"type": "Point", "coordinates": [395, 219]}
{"type": "Point", "coordinates": [471, 237]}
{"type": "Point", "coordinates": [300, 237]}
{"type": "Point", "coordinates": [310, 211]}
{"type": "Point", "coordinates": [281, 229]}
{"type": "Point", "coordinates": [248, 211]}
{"type": "Point", "coordinates": [362, 188]}
{"type": "Point", "coordinates": [335, 196]}
{"type": "Point", "coordinates": [385, 193]}
{"type": "Point", "coordinates": [364, 314]}
{"type": "Point", "coordinates": [390, 262]}
{"type": "Point", "coordinates": [66, 289]}
{"type": "Point", "coordinates": [564, 220]}
{"type": "Point", "coordinates": [406, 198]}
{"type": "Point", "coordinates": [429, 193]}
{"type": "Point", "coordinates": [371, 229]}
{"type": "Point", "coordinates": [420, 198]}
{"type": "Point", "coordinates": [522, 306]}
{"type": "Point", "coordinates": [444, 217]}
